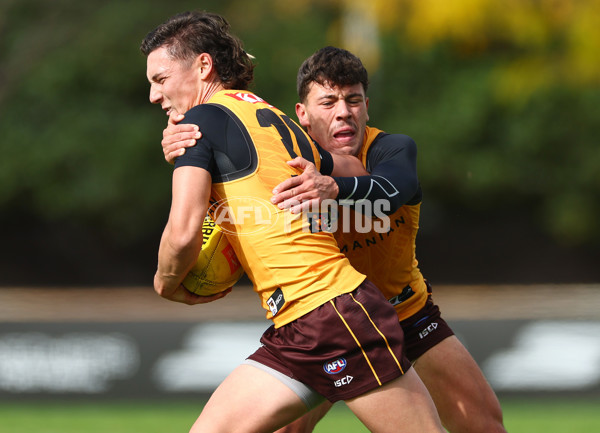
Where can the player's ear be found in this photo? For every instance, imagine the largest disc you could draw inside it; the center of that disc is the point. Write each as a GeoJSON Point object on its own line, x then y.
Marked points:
{"type": "Point", "coordinates": [204, 63]}
{"type": "Point", "coordinates": [367, 104]}
{"type": "Point", "coordinates": [301, 114]}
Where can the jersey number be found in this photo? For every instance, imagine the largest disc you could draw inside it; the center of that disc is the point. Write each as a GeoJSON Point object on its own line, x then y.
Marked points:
{"type": "Point", "coordinates": [286, 128]}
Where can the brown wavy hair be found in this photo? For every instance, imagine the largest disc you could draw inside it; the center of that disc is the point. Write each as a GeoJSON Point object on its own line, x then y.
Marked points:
{"type": "Point", "coordinates": [331, 65]}
{"type": "Point", "coordinates": [189, 34]}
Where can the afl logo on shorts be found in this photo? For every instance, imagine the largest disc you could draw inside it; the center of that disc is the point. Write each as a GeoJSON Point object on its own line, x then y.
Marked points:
{"type": "Point", "coordinates": [334, 367]}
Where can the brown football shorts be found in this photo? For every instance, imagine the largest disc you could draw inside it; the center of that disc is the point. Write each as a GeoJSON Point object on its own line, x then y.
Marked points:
{"type": "Point", "coordinates": [348, 346]}
{"type": "Point", "coordinates": [424, 329]}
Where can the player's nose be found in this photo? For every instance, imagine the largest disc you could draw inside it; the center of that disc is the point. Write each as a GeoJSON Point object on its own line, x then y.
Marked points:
{"type": "Point", "coordinates": [155, 95]}
{"type": "Point", "coordinates": [342, 110]}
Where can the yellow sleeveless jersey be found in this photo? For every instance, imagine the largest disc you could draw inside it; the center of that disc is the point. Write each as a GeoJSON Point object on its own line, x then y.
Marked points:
{"type": "Point", "coordinates": [293, 269]}
{"type": "Point", "coordinates": [388, 257]}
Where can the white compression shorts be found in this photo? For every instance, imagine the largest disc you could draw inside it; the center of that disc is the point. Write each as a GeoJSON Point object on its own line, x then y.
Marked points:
{"type": "Point", "coordinates": [308, 395]}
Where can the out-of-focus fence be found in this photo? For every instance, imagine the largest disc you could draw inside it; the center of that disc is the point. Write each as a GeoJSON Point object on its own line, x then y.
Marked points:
{"type": "Point", "coordinates": [129, 343]}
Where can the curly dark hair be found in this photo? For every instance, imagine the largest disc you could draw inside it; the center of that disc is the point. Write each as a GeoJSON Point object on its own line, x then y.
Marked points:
{"type": "Point", "coordinates": [335, 66]}
{"type": "Point", "coordinates": [189, 34]}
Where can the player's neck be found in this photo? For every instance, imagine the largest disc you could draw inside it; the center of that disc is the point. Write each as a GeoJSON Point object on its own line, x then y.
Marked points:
{"type": "Point", "coordinates": [210, 90]}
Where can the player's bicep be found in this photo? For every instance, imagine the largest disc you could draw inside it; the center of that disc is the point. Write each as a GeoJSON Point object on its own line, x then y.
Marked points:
{"type": "Point", "coordinates": [394, 158]}
{"type": "Point", "coordinates": [347, 166]}
{"type": "Point", "coordinates": [191, 192]}
{"type": "Point", "coordinates": [398, 150]}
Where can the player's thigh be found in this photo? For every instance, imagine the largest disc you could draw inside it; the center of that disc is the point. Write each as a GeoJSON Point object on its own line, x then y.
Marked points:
{"type": "Point", "coordinates": [456, 383]}
{"type": "Point", "coordinates": [249, 400]}
{"type": "Point", "coordinates": [402, 404]}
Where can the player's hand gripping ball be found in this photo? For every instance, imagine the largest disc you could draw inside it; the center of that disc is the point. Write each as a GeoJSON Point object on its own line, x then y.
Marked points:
{"type": "Point", "coordinates": [217, 267]}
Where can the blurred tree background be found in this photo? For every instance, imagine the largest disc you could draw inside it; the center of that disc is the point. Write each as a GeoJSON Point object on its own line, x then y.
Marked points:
{"type": "Point", "coordinates": [501, 96]}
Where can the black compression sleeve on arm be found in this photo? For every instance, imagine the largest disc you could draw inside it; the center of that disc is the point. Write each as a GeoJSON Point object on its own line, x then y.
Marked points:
{"type": "Point", "coordinates": [225, 148]}
{"type": "Point", "coordinates": [326, 161]}
{"type": "Point", "coordinates": [201, 154]}
{"type": "Point", "coordinates": [393, 164]}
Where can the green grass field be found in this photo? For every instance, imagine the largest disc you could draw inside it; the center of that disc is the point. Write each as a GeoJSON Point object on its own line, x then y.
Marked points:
{"type": "Point", "coordinates": [521, 416]}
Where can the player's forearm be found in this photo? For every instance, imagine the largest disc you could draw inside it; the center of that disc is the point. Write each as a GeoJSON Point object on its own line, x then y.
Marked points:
{"type": "Point", "coordinates": [176, 255]}
{"type": "Point", "coordinates": [396, 187]}
{"type": "Point", "coordinates": [182, 239]}
{"type": "Point", "coordinates": [347, 166]}
{"type": "Point", "coordinates": [393, 179]}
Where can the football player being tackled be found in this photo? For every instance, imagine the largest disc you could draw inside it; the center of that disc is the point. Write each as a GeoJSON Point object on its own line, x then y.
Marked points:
{"type": "Point", "coordinates": [332, 86]}
{"type": "Point", "coordinates": [334, 335]}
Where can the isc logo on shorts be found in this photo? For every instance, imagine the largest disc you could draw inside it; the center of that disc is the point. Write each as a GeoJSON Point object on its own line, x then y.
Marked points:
{"type": "Point", "coordinates": [425, 332]}
{"type": "Point", "coordinates": [343, 381]}
{"type": "Point", "coordinates": [335, 366]}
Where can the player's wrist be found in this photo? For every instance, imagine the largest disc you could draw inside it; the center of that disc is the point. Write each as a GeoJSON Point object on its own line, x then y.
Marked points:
{"type": "Point", "coordinates": [344, 187]}
{"type": "Point", "coordinates": [334, 188]}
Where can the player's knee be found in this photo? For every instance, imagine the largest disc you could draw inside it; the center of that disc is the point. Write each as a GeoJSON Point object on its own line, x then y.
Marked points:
{"type": "Point", "coordinates": [486, 424]}
{"type": "Point", "coordinates": [495, 425]}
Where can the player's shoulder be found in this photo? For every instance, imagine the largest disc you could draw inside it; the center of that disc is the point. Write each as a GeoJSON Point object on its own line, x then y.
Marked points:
{"type": "Point", "coordinates": [390, 146]}
{"type": "Point", "coordinates": [394, 140]}
{"type": "Point", "coordinates": [387, 145]}
{"type": "Point", "coordinates": [206, 114]}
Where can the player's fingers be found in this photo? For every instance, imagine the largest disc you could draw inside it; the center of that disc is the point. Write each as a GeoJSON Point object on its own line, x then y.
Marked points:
{"type": "Point", "coordinates": [194, 299]}
{"type": "Point", "coordinates": [299, 162]}
{"type": "Point", "coordinates": [287, 184]}
{"type": "Point", "coordinates": [170, 156]}
{"type": "Point", "coordinates": [294, 201]}
{"type": "Point", "coordinates": [286, 204]}
{"type": "Point", "coordinates": [305, 206]}
{"type": "Point", "coordinates": [217, 295]}
{"type": "Point", "coordinates": [174, 137]}
{"type": "Point", "coordinates": [175, 149]}
{"type": "Point", "coordinates": [172, 146]}
{"type": "Point", "coordinates": [175, 118]}
{"type": "Point", "coordinates": [296, 193]}
{"type": "Point", "coordinates": [173, 130]}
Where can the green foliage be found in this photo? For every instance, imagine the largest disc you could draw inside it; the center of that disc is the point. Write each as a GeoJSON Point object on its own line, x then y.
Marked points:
{"type": "Point", "coordinates": [534, 155]}
{"type": "Point", "coordinates": [81, 141]}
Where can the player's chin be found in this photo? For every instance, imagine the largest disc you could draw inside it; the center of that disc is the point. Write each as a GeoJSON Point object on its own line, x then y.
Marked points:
{"type": "Point", "coordinates": [344, 147]}
{"type": "Point", "coordinates": [345, 150]}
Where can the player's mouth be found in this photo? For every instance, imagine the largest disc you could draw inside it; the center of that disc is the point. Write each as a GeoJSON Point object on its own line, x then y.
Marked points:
{"type": "Point", "coordinates": [344, 134]}
{"type": "Point", "coordinates": [168, 110]}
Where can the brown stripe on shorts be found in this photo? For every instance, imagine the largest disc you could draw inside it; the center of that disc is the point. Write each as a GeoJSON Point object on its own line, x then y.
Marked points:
{"type": "Point", "coordinates": [342, 349]}
{"type": "Point", "coordinates": [358, 342]}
